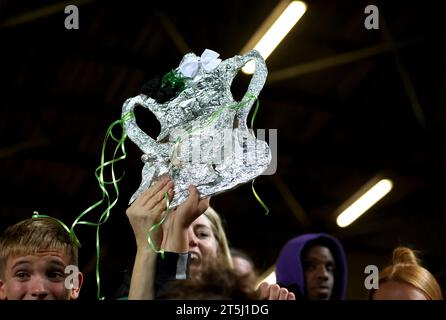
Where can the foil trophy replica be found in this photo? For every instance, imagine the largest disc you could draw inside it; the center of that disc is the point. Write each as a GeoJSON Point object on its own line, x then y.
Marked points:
{"type": "Point", "coordinates": [198, 143]}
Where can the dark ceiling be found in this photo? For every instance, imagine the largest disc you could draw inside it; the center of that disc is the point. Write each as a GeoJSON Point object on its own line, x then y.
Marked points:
{"type": "Point", "coordinates": [349, 104]}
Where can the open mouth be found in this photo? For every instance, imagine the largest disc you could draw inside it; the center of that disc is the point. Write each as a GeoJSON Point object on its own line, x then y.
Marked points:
{"type": "Point", "coordinates": [195, 258]}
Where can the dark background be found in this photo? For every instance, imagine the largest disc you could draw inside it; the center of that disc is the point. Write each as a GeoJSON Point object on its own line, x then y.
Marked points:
{"type": "Point", "coordinates": [349, 104]}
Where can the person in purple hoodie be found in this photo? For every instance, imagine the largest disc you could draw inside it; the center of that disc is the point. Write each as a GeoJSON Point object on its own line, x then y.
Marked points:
{"type": "Point", "coordinates": [314, 267]}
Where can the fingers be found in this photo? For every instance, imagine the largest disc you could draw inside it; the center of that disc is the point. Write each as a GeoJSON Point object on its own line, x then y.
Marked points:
{"type": "Point", "coordinates": [192, 208]}
{"type": "Point", "coordinates": [152, 199]}
{"type": "Point", "coordinates": [194, 195]}
{"type": "Point", "coordinates": [274, 292]}
{"type": "Point", "coordinates": [203, 204]}
{"type": "Point", "coordinates": [155, 188]}
{"type": "Point", "coordinates": [263, 291]}
{"type": "Point", "coordinates": [160, 206]}
{"type": "Point", "coordinates": [283, 294]}
{"type": "Point", "coordinates": [160, 196]}
{"type": "Point", "coordinates": [200, 204]}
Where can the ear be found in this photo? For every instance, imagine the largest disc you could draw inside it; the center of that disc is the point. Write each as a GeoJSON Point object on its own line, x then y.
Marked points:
{"type": "Point", "coordinates": [74, 294]}
{"type": "Point", "coordinates": [2, 290]}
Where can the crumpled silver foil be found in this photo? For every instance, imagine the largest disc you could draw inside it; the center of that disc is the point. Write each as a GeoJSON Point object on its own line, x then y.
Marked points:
{"type": "Point", "coordinates": [197, 143]}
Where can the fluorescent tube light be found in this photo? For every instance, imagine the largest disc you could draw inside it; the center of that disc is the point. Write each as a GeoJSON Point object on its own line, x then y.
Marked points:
{"type": "Point", "coordinates": [278, 30]}
{"type": "Point", "coordinates": [368, 199]}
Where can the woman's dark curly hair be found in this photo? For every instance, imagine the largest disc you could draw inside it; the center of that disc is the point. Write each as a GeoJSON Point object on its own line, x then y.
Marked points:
{"type": "Point", "coordinates": [215, 283]}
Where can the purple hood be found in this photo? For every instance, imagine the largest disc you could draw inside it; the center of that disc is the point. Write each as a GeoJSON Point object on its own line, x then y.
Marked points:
{"type": "Point", "coordinates": [289, 269]}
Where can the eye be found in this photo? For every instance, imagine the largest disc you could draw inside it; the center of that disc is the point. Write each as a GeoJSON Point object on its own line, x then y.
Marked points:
{"type": "Point", "coordinates": [202, 234]}
{"type": "Point", "coordinates": [330, 267]}
{"type": "Point", "coordinates": [56, 275]}
{"type": "Point", "coordinates": [309, 266]}
{"type": "Point", "coordinates": [22, 275]}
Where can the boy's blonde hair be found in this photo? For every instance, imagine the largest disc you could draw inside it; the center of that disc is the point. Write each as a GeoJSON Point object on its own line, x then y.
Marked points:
{"type": "Point", "coordinates": [33, 235]}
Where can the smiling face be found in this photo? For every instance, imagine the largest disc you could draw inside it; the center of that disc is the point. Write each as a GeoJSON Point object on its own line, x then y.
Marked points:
{"type": "Point", "coordinates": [319, 265]}
{"type": "Point", "coordinates": [39, 276]}
{"type": "Point", "coordinates": [202, 244]}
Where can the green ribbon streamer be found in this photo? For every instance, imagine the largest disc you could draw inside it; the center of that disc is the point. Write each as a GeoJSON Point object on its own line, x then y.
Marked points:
{"type": "Point", "coordinates": [157, 225]}
{"type": "Point", "coordinates": [258, 198]}
{"type": "Point", "coordinates": [99, 174]}
{"type": "Point", "coordinates": [73, 236]}
{"type": "Point", "coordinates": [234, 107]}
{"type": "Point", "coordinates": [250, 95]}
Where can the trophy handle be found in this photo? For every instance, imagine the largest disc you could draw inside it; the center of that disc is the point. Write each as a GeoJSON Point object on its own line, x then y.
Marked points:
{"type": "Point", "coordinates": [147, 144]}
{"type": "Point", "coordinates": [255, 86]}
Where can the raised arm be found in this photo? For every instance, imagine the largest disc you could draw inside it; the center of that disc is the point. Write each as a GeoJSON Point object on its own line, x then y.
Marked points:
{"type": "Point", "coordinates": [142, 214]}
